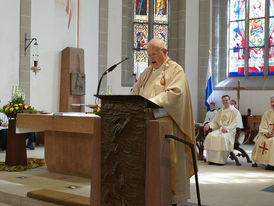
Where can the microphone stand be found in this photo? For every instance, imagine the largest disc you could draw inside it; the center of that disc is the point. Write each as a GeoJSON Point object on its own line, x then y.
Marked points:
{"type": "Point", "coordinates": [107, 71]}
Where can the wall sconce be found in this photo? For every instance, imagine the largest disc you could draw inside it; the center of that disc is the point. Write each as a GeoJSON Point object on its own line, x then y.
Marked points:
{"type": "Point", "coordinates": [35, 53]}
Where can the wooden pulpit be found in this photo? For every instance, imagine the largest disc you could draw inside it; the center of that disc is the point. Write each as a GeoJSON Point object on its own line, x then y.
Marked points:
{"type": "Point", "coordinates": [133, 167]}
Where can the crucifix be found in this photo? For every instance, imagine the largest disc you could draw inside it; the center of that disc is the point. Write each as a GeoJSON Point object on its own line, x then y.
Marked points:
{"type": "Point", "coordinates": [238, 88]}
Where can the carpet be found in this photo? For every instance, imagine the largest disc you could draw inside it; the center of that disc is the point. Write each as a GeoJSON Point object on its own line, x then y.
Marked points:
{"type": "Point", "coordinates": [32, 163]}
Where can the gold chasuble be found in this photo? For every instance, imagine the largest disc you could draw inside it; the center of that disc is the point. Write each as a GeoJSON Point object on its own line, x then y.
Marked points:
{"type": "Point", "coordinates": [167, 86]}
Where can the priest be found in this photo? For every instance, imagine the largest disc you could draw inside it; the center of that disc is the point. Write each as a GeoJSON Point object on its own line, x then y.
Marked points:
{"type": "Point", "coordinates": [263, 151]}
{"type": "Point", "coordinates": [164, 83]}
{"type": "Point", "coordinates": [220, 142]}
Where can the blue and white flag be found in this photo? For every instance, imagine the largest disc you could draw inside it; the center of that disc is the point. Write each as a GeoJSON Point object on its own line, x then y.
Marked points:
{"type": "Point", "coordinates": [209, 85]}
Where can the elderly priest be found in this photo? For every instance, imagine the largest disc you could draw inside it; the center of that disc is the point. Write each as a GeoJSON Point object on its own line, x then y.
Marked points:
{"type": "Point", "coordinates": [219, 143]}
{"type": "Point", "coordinates": [263, 151]}
{"type": "Point", "coordinates": [164, 83]}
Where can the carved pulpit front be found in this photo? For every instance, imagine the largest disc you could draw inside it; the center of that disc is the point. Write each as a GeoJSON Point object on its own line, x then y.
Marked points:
{"type": "Point", "coordinates": [135, 168]}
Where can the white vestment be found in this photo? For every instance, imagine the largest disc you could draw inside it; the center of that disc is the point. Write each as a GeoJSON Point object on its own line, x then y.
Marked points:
{"type": "Point", "coordinates": [210, 115]}
{"type": "Point", "coordinates": [240, 125]}
{"type": "Point", "coordinates": [263, 151]}
{"type": "Point", "coordinates": [218, 144]}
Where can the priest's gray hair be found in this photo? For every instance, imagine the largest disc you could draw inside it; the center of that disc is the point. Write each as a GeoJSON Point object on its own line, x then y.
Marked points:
{"type": "Point", "coordinates": [158, 43]}
{"type": "Point", "coordinates": [272, 97]}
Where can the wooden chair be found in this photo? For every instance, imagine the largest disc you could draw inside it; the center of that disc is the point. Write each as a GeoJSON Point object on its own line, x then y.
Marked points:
{"type": "Point", "coordinates": [200, 138]}
{"type": "Point", "coordinates": [238, 148]}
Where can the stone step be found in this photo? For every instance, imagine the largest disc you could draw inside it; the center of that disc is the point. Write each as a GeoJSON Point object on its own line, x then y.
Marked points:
{"type": "Point", "coordinates": [7, 199]}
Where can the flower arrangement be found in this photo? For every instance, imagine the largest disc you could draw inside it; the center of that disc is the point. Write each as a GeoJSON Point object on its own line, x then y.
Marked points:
{"type": "Point", "coordinates": [97, 110]}
{"type": "Point", "coordinates": [17, 104]}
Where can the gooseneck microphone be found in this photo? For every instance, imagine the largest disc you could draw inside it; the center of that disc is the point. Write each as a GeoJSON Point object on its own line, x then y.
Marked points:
{"type": "Point", "coordinates": [107, 71]}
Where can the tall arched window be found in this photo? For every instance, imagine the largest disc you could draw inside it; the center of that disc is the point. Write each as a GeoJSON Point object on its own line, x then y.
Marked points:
{"type": "Point", "coordinates": [150, 21]}
{"type": "Point", "coordinates": [251, 33]}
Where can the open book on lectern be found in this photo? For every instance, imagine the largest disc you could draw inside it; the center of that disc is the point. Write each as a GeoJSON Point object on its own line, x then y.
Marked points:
{"type": "Point", "coordinates": [125, 98]}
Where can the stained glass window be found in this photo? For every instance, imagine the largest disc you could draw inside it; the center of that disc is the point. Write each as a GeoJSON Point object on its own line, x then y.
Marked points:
{"type": "Point", "coordinates": [271, 37]}
{"type": "Point", "coordinates": [271, 6]}
{"type": "Point", "coordinates": [161, 32]}
{"type": "Point", "coordinates": [144, 16]}
{"type": "Point", "coordinates": [249, 58]}
{"type": "Point", "coordinates": [256, 9]}
{"type": "Point", "coordinates": [256, 61]}
{"type": "Point", "coordinates": [237, 10]}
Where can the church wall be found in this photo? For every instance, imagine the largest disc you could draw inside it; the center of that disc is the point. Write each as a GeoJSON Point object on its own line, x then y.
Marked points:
{"type": "Point", "coordinates": [257, 100]}
{"type": "Point", "coordinates": [88, 40]}
{"type": "Point", "coordinates": [49, 24]}
{"type": "Point", "coordinates": [114, 47]}
{"type": "Point", "coordinates": [9, 41]}
{"type": "Point", "coordinates": [191, 48]}
{"type": "Point", "coordinates": [204, 47]}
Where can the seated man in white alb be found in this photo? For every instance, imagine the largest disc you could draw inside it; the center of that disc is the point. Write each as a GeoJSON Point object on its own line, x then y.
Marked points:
{"type": "Point", "coordinates": [211, 113]}
{"type": "Point", "coordinates": [263, 151]}
{"type": "Point", "coordinates": [219, 143]}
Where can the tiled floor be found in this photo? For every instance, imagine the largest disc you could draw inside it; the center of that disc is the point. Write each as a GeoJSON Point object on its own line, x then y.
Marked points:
{"type": "Point", "coordinates": [234, 185]}
{"type": "Point", "coordinates": [219, 185]}
{"type": "Point", "coordinates": [13, 189]}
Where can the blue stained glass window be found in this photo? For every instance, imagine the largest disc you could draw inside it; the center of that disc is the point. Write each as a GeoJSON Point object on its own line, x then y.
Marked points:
{"type": "Point", "coordinates": [237, 34]}
{"type": "Point", "coordinates": [237, 10]}
{"type": "Point", "coordinates": [256, 32]}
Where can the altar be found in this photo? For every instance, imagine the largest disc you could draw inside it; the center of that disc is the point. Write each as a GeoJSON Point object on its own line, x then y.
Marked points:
{"type": "Point", "coordinates": [69, 140]}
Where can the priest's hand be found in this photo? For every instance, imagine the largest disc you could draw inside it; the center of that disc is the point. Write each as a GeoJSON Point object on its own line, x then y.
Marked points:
{"type": "Point", "coordinates": [269, 135]}
{"type": "Point", "coordinates": [224, 130]}
{"type": "Point", "coordinates": [4, 125]}
{"type": "Point", "coordinates": [206, 127]}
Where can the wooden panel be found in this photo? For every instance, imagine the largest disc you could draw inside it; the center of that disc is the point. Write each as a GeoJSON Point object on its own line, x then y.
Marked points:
{"type": "Point", "coordinates": [69, 153]}
{"type": "Point", "coordinates": [79, 124]}
{"type": "Point", "coordinates": [158, 176]}
{"type": "Point", "coordinates": [123, 152]}
{"type": "Point", "coordinates": [72, 61]}
{"type": "Point", "coordinates": [157, 186]}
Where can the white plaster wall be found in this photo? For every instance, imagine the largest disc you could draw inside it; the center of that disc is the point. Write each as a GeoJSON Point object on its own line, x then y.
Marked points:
{"type": "Point", "coordinates": [9, 52]}
{"type": "Point", "coordinates": [88, 40]}
{"type": "Point", "coordinates": [191, 51]}
{"type": "Point", "coordinates": [115, 47]}
{"type": "Point", "coordinates": [49, 24]}
{"type": "Point", "coordinates": [258, 101]}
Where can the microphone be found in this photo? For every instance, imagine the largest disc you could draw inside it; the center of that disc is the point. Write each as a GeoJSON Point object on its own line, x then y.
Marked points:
{"type": "Point", "coordinates": [107, 71]}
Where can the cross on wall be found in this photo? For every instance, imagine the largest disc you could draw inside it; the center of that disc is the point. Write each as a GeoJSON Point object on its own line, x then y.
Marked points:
{"type": "Point", "coordinates": [238, 88]}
